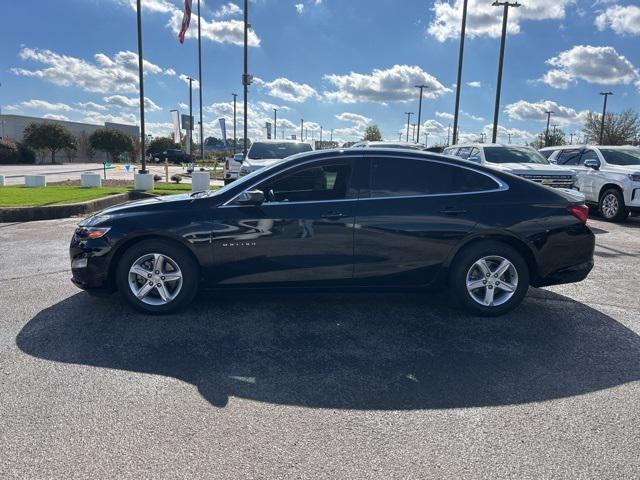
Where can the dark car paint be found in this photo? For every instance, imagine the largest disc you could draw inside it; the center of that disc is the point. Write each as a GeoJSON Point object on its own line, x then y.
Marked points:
{"type": "Point", "coordinates": [401, 241]}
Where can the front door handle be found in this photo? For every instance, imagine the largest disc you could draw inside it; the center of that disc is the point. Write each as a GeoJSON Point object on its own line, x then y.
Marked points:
{"type": "Point", "coordinates": [333, 215]}
{"type": "Point", "coordinates": [453, 211]}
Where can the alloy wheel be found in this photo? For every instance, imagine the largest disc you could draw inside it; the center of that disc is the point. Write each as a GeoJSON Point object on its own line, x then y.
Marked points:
{"type": "Point", "coordinates": [492, 281]}
{"type": "Point", "coordinates": [155, 279]}
{"type": "Point", "coordinates": [610, 205]}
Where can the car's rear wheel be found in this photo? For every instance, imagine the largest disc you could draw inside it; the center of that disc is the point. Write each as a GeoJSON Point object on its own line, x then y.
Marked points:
{"type": "Point", "coordinates": [157, 276]}
{"type": "Point", "coordinates": [612, 207]}
{"type": "Point", "coordinates": [489, 278]}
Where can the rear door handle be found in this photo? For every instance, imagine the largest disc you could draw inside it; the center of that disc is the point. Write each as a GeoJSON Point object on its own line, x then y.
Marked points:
{"type": "Point", "coordinates": [333, 215]}
{"type": "Point", "coordinates": [453, 211]}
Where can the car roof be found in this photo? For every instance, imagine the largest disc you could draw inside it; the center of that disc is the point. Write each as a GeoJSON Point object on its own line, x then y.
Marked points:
{"type": "Point", "coordinates": [271, 140]}
{"type": "Point", "coordinates": [478, 144]}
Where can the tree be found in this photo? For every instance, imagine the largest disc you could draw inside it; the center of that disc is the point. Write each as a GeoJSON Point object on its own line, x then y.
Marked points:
{"type": "Point", "coordinates": [372, 134]}
{"type": "Point", "coordinates": [49, 136]}
{"type": "Point", "coordinates": [619, 128]}
{"type": "Point", "coordinates": [84, 147]}
{"type": "Point", "coordinates": [113, 142]}
{"type": "Point", "coordinates": [160, 144]}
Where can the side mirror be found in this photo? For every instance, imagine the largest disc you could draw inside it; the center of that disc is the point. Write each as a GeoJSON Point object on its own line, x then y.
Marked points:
{"type": "Point", "coordinates": [474, 159]}
{"type": "Point", "coordinates": [592, 163]}
{"type": "Point", "coordinates": [250, 198]}
{"type": "Point", "coordinates": [238, 157]}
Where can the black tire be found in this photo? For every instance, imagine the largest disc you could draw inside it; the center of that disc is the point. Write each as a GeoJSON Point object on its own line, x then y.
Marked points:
{"type": "Point", "coordinates": [179, 255]}
{"type": "Point", "coordinates": [462, 266]}
{"type": "Point", "coordinates": [616, 210]}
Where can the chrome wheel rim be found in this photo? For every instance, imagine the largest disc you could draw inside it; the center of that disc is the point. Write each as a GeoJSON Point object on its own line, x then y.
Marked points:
{"type": "Point", "coordinates": [155, 279]}
{"type": "Point", "coordinates": [610, 205]}
{"type": "Point", "coordinates": [492, 281]}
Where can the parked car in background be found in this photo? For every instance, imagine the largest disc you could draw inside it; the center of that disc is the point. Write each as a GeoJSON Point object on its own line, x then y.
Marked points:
{"type": "Point", "coordinates": [265, 153]}
{"type": "Point", "coordinates": [367, 144]}
{"type": "Point", "coordinates": [232, 168]}
{"type": "Point", "coordinates": [173, 156]}
{"type": "Point", "coordinates": [373, 217]}
{"type": "Point", "coordinates": [435, 149]}
{"type": "Point", "coordinates": [609, 177]}
{"type": "Point", "coordinates": [522, 161]}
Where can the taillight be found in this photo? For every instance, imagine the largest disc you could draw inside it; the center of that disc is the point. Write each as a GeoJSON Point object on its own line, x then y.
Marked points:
{"type": "Point", "coordinates": [581, 212]}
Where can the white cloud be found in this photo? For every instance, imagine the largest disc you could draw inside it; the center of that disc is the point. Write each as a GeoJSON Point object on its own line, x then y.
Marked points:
{"type": "Point", "coordinates": [108, 75]}
{"type": "Point", "coordinates": [228, 10]}
{"type": "Point", "coordinates": [126, 102]}
{"type": "Point", "coordinates": [52, 116]}
{"type": "Point", "coordinates": [536, 111]}
{"type": "Point", "coordinates": [395, 84]}
{"type": "Point", "coordinates": [156, 6]}
{"type": "Point", "coordinates": [268, 107]}
{"type": "Point", "coordinates": [517, 135]}
{"type": "Point", "coordinates": [359, 120]}
{"type": "Point", "coordinates": [91, 106]}
{"type": "Point", "coordinates": [98, 118]}
{"type": "Point", "coordinates": [170, 72]}
{"type": "Point", "coordinates": [622, 20]}
{"type": "Point", "coordinates": [287, 90]}
{"type": "Point", "coordinates": [223, 31]}
{"type": "Point", "coordinates": [299, 7]}
{"type": "Point", "coordinates": [483, 19]}
{"type": "Point", "coordinates": [195, 84]}
{"type": "Point", "coordinates": [47, 106]}
{"type": "Point", "coordinates": [447, 115]}
{"type": "Point", "coordinates": [474, 84]}
{"type": "Point", "coordinates": [601, 65]}
{"type": "Point", "coordinates": [472, 117]}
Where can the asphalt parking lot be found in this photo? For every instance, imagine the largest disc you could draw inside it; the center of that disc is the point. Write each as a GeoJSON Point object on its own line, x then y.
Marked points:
{"type": "Point", "coordinates": [329, 385]}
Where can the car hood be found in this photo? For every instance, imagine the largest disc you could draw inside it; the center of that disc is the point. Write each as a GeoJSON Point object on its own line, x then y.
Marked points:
{"type": "Point", "coordinates": [151, 203]}
{"type": "Point", "coordinates": [531, 169]}
{"type": "Point", "coordinates": [623, 168]}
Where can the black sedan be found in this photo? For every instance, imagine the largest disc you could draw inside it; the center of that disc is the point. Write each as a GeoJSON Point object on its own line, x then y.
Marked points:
{"type": "Point", "coordinates": [372, 217]}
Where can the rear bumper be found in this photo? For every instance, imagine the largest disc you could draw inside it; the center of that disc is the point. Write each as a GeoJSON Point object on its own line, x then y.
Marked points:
{"type": "Point", "coordinates": [575, 273]}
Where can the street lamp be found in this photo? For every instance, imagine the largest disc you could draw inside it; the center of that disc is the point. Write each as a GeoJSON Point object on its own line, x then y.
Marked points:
{"type": "Point", "coordinates": [275, 123]}
{"type": "Point", "coordinates": [190, 140]}
{"type": "Point", "coordinates": [505, 15]}
{"type": "Point", "coordinates": [546, 135]}
{"type": "Point", "coordinates": [235, 138]}
{"type": "Point", "coordinates": [604, 112]}
{"type": "Point", "coordinates": [141, 81]}
{"type": "Point", "coordinates": [301, 129]}
{"type": "Point", "coordinates": [246, 78]}
{"type": "Point", "coordinates": [421, 87]}
{"type": "Point", "coordinates": [408, 114]}
{"type": "Point", "coordinates": [459, 83]}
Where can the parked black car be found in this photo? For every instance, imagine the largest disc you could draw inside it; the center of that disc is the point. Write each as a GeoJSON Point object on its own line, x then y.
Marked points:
{"type": "Point", "coordinates": [372, 217]}
{"type": "Point", "coordinates": [173, 156]}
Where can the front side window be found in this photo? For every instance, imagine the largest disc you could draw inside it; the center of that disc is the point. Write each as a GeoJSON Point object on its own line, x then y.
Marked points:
{"type": "Point", "coordinates": [407, 177]}
{"type": "Point", "coordinates": [275, 150]}
{"type": "Point", "coordinates": [589, 155]}
{"type": "Point", "coordinates": [568, 157]}
{"type": "Point", "coordinates": [621, 156]}
{"type": "Point", "coordinates": [464, 152]}
{"type": "Point", "coordinates": [317, 183]}
{"type": "Point", "coordinates": [504, 154]}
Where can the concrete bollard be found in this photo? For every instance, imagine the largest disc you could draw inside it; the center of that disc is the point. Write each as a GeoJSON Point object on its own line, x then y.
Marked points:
{"type": "Point", "coordinates": [200, 181]}
{"type": "Point", "coordinates": [91, 180]}
{"type": "Point", "coordinates": [35, 181]}
{"type": "Point", "coordinates": [1, 180]}
{"type": "Point", "coordinates": [143, 181]}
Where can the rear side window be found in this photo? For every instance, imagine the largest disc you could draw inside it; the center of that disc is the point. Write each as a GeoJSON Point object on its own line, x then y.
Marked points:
{"type": "Point", "coordinates": [407, 177]}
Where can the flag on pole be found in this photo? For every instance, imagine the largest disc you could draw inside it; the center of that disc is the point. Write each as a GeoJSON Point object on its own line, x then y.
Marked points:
{"type": "Point", "coordinates": [186, 20]}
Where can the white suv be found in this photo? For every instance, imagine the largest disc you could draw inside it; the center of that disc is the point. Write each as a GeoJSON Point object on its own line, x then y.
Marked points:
{"type": "Point", "coordinates": [265, 153]}
{"type": "Point", "coordinates": [522, 161]}
{"type": "Point", "coordinates": [609, 177]}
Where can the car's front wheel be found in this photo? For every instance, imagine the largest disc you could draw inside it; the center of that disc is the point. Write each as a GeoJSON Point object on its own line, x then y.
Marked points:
{"type": "Point", "coordinates": [157, 276]}
{"type": "Point", "coordinates": [489, 278]}
{"type": "Point", "coordinates": [612, 206]}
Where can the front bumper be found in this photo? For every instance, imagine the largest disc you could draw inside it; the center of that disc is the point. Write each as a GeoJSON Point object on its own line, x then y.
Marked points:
{"type": "Point", "coordinates": [95, 255]}
{"type": "Point", "coordinates": [573, 274]}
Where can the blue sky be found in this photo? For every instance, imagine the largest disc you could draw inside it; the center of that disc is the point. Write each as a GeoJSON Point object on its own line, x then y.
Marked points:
{"type": "Point", "coordinates": [336, 63]}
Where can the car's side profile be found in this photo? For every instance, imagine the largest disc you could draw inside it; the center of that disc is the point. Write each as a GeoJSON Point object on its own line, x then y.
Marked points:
{"type": "Point", "coordinates": [372, 217]}
{"type": "Point", "coordinates": [609, 177]}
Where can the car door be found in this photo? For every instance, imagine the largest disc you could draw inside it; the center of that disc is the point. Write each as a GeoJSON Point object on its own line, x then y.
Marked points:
{"type": "Point", "coordinates": [302, 233]}
{"type": "Point", "coordinates": [570, 158]}
{"type": "Point", "coordinates": [591, 179]}
{"type": "Point", "coordinates": [413, 214]}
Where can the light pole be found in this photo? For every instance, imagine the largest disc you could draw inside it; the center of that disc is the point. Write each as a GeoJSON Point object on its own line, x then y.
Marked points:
{"type": "Point", "coordinates": [408, 114]}
{"type": "Point", "coordinates": [571, 138]}
{"type": "Point", "coordinates": [509, 135]}
{"type": "Point", "coordinates": [448, 134]}
{"type": "Point", "coordinates": [426, 139]}
{"type": "Point", "coordinates": [302, 129]}
{"type": "Point", "coordinates": [505, 15]}
{"type": "Point", "coordinates": [246, 80]}
{"type": "Point", "coordinates": [331, 137]}
{"type": "Point", "coordinates": [190, 139]}
{"type": "Point", "coordinates": [421, 87]}
{"type": "Point", "coordinates": [321, 137]}
{"type": "Point", "coordinates": [400, 136]}
{"type": "Point", "coordinates": [546, 135]}
{"type": "Point", "coordinates": [604, 112]}
{"type": "Point", "coordinates": [143, 169]}
{"type": "Point", "coordinates": [275, 123]}
{"type": "Point", "coordinates": [1, 121]}
{"type": "Point", "coordinates": [235, 138]}
{"type": "Point", "coordinates": [459, 82]}
{"type": "Point", "coordinates": [200, 81]}
{"type": "Point", "coordinates": [413, 133]}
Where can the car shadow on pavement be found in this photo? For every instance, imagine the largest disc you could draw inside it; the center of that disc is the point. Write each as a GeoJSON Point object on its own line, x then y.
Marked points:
{"type": "Point", "coordinates": [363, 350]}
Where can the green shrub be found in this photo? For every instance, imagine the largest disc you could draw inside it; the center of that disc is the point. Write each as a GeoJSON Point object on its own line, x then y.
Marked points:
{"type": "Point", "coordinates": [12, 152]}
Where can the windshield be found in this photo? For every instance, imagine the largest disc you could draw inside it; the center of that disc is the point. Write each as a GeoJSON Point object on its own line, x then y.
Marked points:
{"type": "Point", "coordinates": [264, 151]}
{"type": "Point", "coordinates": [513, 155]}
{"type": "Point", "coordinates": [626, 156]}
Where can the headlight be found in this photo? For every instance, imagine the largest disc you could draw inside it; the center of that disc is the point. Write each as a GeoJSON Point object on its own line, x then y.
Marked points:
{"type": "Point", "coordinates": [92, 233]}
{"type": "Point", "coordinates": [634, 177]}
{"type": "Point", "coordinates": [94, 220]}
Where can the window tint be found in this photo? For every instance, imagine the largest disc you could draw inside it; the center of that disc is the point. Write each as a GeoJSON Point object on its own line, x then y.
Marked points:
{"type": "Point", "coordinates": [474, 155]}
{"type": "Point", "coordinates": [510, 154]}
{"type": "Point", "coordinates": [568, 157]}
{"type": "Point", "coordinates": [271, 150]}
{"type": "Point", "coordinates": [622, 156]}
{"type": "Point", "coordinates": [464, 152]}
{"type": "Point", "coordinates": [451, 151]}
{"type": "Point", "coordinates": [405, 177]}
{"type": "Point", "coordinates": [326, 182]}
{"type": "Point", "coordinates": [589, 155]}
{"type": "Point", "coordinates": [546, 153]}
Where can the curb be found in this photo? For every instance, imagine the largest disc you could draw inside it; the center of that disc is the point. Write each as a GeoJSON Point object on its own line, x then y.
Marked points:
{"type": "Point", "coordinates": [52, 212]}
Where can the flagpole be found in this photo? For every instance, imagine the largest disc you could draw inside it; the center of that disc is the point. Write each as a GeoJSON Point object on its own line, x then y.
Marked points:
{"type": "Point", "coordinates": [141, 80]}
{"type": "Point", "coordinates": [200, 81]}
